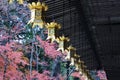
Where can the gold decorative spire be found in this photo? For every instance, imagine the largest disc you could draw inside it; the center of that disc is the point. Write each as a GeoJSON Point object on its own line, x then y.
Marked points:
{"type": "Point", "coordinates": [19, 1]}
{"type": "Point", "coordinates": [70, 51]}
{"type": "Point", "coordinates": [52, 30]}
{"type": "Point", "coordinates": [53, 25]}
{"type": "Point", "coordinates": [36, 13]}
{"type": "Point", "coordinates": [10, 1]}
{"type": "Point", "coordinates": [63, 38]}
{"type": "Point", "coordinates": [72, 62]}
{"type": "Point", "coordinates": [71, 48]}
{"type": "Point", "coordinates": [63, 43]}
{"type": "Point", "coordinates": [77, 67]}
{"type": "Point", "coordinates": [38, 6]}
{"type": "Point", "coordinates": [75, 61]}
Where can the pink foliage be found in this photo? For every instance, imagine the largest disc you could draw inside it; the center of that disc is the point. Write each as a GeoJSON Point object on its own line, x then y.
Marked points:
{"type": "Point", "coordinates": [44, 63]}
{"type": "Point", "coordinates": [46, 72]}
{"type": "Point", "coordinates": [76, 74]}
{"type": "Point", "coordinates": [49, 48]}
{"type": "Point", "coordinates": [1, 75]}
{"type": "Point", "coordinates": [61, 77]}
{"type": "Point", "coordinates": [102, 75]}
{"type": "Point", "coordinates": [7, 47]}
{"type": "Point", "coordinates": [13, 73]}
{"type": "Point", "coordinates": [5, 37]}
{"type": "Point", "coordinates": [17, 29]}
{"type": "Point", "coordinates": [39, 76]}
{"type": "Point", "coordinates": [14, 56]}
{"type": "Point", "coordinates": [11, 58]}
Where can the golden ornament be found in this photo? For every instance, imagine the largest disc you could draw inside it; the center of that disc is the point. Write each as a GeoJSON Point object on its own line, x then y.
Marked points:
{"type": "Point", "coordinates": [70, 51]}
{"type": "Point", "coordinates": [52, 30]}
{"type": "Point", "coordinates": [20, 1]}
{"type": "Point", "coordinates": [10, 1]}
{"type": "Point", "coordinates": [72, 62]}
{"type": "Point", "coordinates": [63, 43]}
{"type": "Point", "coordinates": [36, 13]}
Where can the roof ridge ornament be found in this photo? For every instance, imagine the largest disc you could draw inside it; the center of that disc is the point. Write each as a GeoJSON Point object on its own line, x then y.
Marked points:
{"type": "Point", "coordinates": [19, 1]}
{"type": "Point", "coordinates": [37, 17]}
{"type": "Point", "coordinates": [38, 6]}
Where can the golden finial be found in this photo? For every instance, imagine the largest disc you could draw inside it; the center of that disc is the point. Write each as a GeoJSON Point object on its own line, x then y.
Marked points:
{"type": "Point", "coordinates": [53, 25]}
{"type": "Point", "coordinates": [20, 1]}
{"type": "Point", "coordinates": [75, 55]}
{"type": "Point", "coordinates": [77, 67]}
{"type": "Point", "coordinates": [62, 38]}
{"type": "Point", "coordinates": [72, 62]}
{"type": "Point", "coordinates": [38, 5]}
{"type": "Point", "coordinates": [70, 52]}
{"type": "Point", "coordinates": [36, 13]}
{"type": "Point", "coordinates": [52, 30]}
{"type": "Point", "coordinates": [10, 1]}
{"type": "Point", "coordinates": [80, 62]}
{"type": "Point", "coordinates": [71, 48]}
{"type": "Point", "coordinates": [63, 43]}
{"type": "Point", "coordinates": [68, 56]}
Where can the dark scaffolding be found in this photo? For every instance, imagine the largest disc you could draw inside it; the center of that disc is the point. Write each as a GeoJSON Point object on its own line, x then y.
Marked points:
{"type": "Point", "coordinates": [93, 27]}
